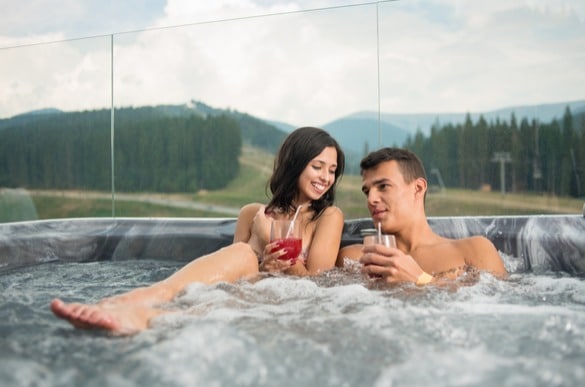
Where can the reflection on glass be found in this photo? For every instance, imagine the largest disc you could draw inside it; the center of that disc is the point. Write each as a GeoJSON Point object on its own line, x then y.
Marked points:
{"type": "Point", "coordinates": [306, 68]}
{"type": "Point", "coordinates": [468, 85]}
{"type": "Point", "coordinates": [485, 96]}
{"type": "Point", "coordinates": [56, 144]}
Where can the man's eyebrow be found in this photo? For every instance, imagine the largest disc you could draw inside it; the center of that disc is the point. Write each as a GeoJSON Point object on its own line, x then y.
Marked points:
{"type": "Point", "coordinates": [375, 183]}
{"type": "Point", "coordinates": [380, 181]}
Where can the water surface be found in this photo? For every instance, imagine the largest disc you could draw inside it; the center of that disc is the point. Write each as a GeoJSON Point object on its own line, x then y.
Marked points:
{"type": "Point", "coordinates": [335, 330]}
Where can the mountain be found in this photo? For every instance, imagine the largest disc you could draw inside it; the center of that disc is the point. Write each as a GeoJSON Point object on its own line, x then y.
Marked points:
{"type": "Point", "coordinates": [287, 128]}
{"type": "Point", "coordinates": [40, 112]}
{"type": "Point", "coordinates": [29, 117]}
{"type": "Point", "coordinates": [254, 131]}
{"type": "Point", "coordinates": [355, 132]}
{"type": "Point", "coordinates": [261, 133]}
{"type": "Point", "coordinates": [411, 123]}
{"type": "Point", "coordinates": [361, 134]}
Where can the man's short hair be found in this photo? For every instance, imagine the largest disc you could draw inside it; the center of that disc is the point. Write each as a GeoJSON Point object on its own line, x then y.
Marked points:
{"type": "Point", "coordinates": [410, 165]}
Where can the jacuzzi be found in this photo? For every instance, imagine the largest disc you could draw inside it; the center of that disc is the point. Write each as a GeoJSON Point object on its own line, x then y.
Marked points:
{"type": "Point", "coordinates": [536, 242]}
{"type": "Point", "coordinates": [337, 329]}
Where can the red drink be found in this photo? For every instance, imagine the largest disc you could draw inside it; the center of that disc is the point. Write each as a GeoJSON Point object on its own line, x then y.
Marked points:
{"type": "Point", "coordinates": [292, 246]}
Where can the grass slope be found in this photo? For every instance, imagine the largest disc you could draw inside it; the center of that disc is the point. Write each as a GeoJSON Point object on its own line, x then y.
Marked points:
{"type": "Point", "coordinates": [249, 186]}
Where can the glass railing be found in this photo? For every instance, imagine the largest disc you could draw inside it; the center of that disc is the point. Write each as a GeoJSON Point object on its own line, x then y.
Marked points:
{"type": "Point", "coordinates": [103, 126]}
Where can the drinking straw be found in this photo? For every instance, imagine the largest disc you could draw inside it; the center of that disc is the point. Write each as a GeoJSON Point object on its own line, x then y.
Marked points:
{"type": "Point", "coordinates": [379, 232]}
{"type": "Point", "coordinates": [292, 223]}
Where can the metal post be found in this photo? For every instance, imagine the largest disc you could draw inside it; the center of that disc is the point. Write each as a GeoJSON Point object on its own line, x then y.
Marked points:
{"type": "Point", "coordinates": [502, 158]}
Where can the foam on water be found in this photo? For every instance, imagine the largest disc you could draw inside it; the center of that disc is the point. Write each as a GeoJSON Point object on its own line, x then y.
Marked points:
{"type": "Point", "coordinates": [333, 330]}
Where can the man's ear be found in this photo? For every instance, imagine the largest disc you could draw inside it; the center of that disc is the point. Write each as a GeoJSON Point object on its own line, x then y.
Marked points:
{"type": "Point", "coordinates": [420, 186]}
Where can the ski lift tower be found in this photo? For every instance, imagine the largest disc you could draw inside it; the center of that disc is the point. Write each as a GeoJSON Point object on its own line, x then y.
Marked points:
{"type": "Point", "coordinates": [502, 158]}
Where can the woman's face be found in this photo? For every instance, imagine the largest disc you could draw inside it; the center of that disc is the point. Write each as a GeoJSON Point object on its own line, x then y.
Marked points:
{"type": "Point", "coordinates": [318, 176]}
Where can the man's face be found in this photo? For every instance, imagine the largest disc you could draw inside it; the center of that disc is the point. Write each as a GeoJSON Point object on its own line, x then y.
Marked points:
{"type": "Point", "coordinates": [390, 199]}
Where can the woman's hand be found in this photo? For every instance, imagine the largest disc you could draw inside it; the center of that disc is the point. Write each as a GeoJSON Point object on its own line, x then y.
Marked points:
{"type": "Point", "coordinates": [271, 261]}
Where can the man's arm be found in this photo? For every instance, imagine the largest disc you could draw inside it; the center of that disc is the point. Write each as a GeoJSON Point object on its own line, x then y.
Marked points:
{"type": "Point", "coordinates": [350, 251]}
{"type": "Point", "coordinates": [482, 254]}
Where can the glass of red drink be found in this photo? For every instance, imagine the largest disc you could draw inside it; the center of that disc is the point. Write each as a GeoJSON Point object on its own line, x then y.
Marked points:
{"type": "Point", "coordinates": [287, 235]}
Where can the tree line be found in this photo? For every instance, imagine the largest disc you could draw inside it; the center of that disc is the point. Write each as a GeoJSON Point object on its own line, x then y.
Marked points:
{"type": "Point", "coordinates": [535, 156]}
{"type": "Point", "coordinates": [173, 149]}
{"type": "Point", "coordinates": [152, 152]}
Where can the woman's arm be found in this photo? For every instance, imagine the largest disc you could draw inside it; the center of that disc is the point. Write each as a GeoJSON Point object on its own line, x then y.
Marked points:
{"type": "Point", "coordinates": [354, 251]}
{"type": "Point", "coordinates": [324, 247]}
{"type": "Point", "coordinates": [243, 230]}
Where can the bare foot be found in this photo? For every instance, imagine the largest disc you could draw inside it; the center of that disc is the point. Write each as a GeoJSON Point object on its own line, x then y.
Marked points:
{"type": "Point", "coordinates": [119, 319]}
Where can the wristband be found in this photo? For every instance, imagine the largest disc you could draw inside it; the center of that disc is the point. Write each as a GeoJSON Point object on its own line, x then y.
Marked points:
{"type": "Point", "coordinates": [423, 279]}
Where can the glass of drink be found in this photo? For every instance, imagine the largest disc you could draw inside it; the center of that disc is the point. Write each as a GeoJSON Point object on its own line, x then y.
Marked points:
{"type": "Point", "coordinates": [287, 235]}
{"type": "Point", "coordinates": [374, 238]}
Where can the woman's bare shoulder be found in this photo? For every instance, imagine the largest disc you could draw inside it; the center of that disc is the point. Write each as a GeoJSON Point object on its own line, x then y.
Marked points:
{"type": "Point", "coordinates": [334, 212]}
{"type": "Point", "coordinates": [250, 208]}
{"type": "Point", "coordinates": [248, 212]}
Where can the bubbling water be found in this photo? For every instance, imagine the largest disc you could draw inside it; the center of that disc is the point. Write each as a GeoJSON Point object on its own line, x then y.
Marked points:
{"type": "Point", "coordinates": [336, 329]}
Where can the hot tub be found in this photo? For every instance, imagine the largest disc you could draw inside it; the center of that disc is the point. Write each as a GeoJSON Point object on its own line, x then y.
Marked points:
{"type": "Point", "coordinates": [335, 329]}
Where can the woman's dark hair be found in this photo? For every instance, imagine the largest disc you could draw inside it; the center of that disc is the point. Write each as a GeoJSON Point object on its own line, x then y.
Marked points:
{"type": "Point", "coordinates": [298, 149]}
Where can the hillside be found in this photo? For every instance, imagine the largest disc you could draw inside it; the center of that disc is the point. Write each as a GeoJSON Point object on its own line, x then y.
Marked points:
{"type": "Point", "coordinates": [249, 186]}
{"type": "Point", "coordinates": [355, 132]}
{"type": "Point", "coordinates": [255, 132]}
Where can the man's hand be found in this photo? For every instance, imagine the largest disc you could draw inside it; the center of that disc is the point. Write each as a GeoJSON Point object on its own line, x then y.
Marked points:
{"type": "Point", "coordinates": [392, 265]}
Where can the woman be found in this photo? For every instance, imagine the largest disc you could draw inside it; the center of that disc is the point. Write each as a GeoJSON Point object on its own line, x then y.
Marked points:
{"type": "Point", "coordinates": [306, 171]}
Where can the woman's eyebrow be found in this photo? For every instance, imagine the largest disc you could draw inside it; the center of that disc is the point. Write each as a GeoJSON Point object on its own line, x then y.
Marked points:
{"type": "Point", "coordinates": [324, 163]}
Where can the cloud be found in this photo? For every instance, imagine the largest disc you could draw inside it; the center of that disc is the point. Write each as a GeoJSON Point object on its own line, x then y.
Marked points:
{"type": "Point", "coordinates": [489, 55]}
{"type": "Point", "coordinates": [309, 67]}
{"type": "Point", "coordinates": [34, 21]}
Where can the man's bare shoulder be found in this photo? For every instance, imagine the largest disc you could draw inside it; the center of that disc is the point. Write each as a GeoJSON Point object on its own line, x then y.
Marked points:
{"type": "Point", "coordinates": [473, 242]}
{"type": "Point", "coordinates": [481, 253]}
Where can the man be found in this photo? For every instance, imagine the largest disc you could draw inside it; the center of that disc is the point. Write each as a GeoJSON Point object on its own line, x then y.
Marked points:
{"type": "Point", "coordinates": [395, 185]}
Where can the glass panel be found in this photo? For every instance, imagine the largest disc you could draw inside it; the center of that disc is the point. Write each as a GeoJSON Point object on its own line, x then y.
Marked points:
{"type": "Point", "coordinates": [55, 130]}
{"type": "Point", "coordinates": [268, 74]}
{"type": "Point", "coordinates": [482, 89]}
{"type": "Point", "coordinates": [490, 95]}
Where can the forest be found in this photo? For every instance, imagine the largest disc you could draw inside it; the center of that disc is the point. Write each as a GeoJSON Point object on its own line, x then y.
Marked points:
{"type": "Point", "coordinates": [533, 156]}
{"type": "Point", "coordinates": [176, 149]}
{"type": "Point", "coordinates": [152, 151]}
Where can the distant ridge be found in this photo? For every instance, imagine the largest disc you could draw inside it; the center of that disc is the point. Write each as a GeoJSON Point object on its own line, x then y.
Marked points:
{"type": "Point", "coordinates": [413, 122]}
{"type": "Point", "coordinates": [361, 134]}
{"type": "Point", "coordinates": [356, 132]}
{"type": "Point", "coordinates": [281, 125]}
{"type": "Point", "coordinates": [29, 117]}
{"type": "Point", "coordinates": [254, 131]}
{"type": "Point", "coordinates": [39, 112]}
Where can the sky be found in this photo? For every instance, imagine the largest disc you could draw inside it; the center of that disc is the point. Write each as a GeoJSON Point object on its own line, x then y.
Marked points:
{"type": "Point", "coordinates": [299, 62]}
